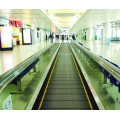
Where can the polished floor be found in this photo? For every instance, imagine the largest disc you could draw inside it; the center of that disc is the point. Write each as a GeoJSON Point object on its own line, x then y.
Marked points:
{"type": "Point", "coordinates": [9, 59]}
{"type": "Point", "coordinates": [110, 52]}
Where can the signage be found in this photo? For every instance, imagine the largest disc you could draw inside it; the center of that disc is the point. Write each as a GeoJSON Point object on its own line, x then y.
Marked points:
{"type": "Point", "coordinates": [26, 36]}
{"type": "Point", "coordinates": [96, 27]}
{"type": "Point", "coordinates": [7, 103]}
{"type": "Point", "coordinates": [19, 24]}
{"type": "Point", "coordinates": [12, 23]}
{"type": "Point", "coordinates": [5, 37]}
{"type": "Point", "coordinates": [25, 26]}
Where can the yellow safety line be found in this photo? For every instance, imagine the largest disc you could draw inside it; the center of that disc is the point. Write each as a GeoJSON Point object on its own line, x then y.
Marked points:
{"type": "Point", "coordinates": [47, 84]}
{"type": "Point", "coordinates": [83, 84]}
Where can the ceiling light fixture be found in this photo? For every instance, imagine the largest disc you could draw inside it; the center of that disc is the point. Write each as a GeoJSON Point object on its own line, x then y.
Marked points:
{"type": "Point", "coordinates": [16, 10]}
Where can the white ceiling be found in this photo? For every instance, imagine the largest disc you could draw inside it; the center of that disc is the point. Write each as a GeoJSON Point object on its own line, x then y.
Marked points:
{"type": "Point", "coordinates": [96, 17]}
{"type": "Point", "coordinates": [62, 18]}
{"type": "Point", "coordinates": [33, 17]}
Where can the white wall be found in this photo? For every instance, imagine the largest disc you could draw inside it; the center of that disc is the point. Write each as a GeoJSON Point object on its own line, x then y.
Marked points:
{"type": "Point", "coordinates": [42, 34]}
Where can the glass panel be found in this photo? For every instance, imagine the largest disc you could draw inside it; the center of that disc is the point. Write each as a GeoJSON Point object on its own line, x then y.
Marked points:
{"type": "Point", "coordinates": [107, 92]}
{"type": "Point", "coordinates": [31, 79]}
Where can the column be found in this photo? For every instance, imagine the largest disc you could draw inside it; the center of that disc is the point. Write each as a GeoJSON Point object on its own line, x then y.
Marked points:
{"type": "Point", "coordinates": [106, 33]}
{"type": "Point", "coordinates": [90, 34]}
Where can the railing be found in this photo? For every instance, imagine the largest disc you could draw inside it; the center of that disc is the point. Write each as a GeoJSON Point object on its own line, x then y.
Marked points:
{"type": "Point", "coordinates": [10, 75]}
{"type": "Point", "coordinates": [113, 70]}
{"type": "Point", "coordinates": [101, 75]}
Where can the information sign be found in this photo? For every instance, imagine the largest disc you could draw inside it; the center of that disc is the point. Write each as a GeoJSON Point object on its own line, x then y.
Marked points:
{"type": "Point", "coordinates": [7, 103]}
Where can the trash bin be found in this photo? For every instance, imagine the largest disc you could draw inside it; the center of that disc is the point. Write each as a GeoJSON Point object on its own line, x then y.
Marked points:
{"type": "Point", "coordinates": [96, 37]}
{"type": "Point", "coordinates": [108, 41]}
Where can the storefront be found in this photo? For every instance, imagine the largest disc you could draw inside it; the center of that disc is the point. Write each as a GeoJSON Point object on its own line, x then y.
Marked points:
{"type": "Point", "coordinates": [16, 32]}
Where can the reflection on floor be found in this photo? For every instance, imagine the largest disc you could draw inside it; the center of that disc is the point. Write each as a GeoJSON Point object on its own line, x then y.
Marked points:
{"type": "Point", "coordinates": [9, 59]}
{"type": "Point", "coordinates": [110, 52]}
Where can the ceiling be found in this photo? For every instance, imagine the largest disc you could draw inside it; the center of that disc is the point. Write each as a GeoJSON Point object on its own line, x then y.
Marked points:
{"type": "Point", "coordinates": [73, 19]}
{"type": "Point", "coordinates": [93, 17]}
{"type": "Point", "coordinates": [64, 18]}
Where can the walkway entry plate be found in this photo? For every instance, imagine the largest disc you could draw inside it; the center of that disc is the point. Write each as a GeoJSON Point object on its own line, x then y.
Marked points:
{"type": "Point", "coordinates": [7, 103]}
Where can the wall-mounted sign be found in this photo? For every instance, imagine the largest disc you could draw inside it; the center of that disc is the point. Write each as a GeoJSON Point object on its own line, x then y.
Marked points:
{"type": "Point", "coordinates": [7, 103]}
{"type": "Point", "coordinates": [19, 24]}
{"type": "Point", "coordinates": [12, 23]}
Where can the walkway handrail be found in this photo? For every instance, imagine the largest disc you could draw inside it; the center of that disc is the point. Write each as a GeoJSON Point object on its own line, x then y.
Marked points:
{"type": "Point", "coordinates": [114, 71]}
{"type": "Point", "coordinates": [10, 75]}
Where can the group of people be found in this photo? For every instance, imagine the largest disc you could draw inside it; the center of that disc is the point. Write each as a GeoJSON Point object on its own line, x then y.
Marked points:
{"type": "Point", "coordinates": [73, 37]}
{"type": "Point", "coordinates": [57, 36]}
{"type": "Point", "coordinates": [52, 37]}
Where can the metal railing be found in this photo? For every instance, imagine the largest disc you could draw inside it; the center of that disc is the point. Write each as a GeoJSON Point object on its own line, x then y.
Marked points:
{"type": "Point", "coordinates": [10, 75]}
{"type": "Point", "coordinates": [113, 70]}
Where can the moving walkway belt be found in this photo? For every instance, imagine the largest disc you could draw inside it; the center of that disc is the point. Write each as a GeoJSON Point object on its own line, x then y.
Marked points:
{"type": "Point", "coordinates": [65, 89]}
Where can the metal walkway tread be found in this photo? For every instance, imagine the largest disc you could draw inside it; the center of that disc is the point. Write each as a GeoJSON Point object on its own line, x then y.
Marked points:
{"type": "Point", "coordinates": [65, 90]}
{"type": "Point", "coordinates": [65, 97]}
{"type": "Point", "coordinates": [65, 86]}
{"type": "Point", "coordinates": [66, 104]}
{"type": "Point", "coordinates": [69, 82]}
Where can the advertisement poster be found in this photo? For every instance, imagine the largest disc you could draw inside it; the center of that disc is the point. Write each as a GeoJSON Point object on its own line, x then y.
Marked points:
{"type": "Point", "coordinates": [26, 36]}
{"type": "Point", "coordinates": [5, 37]}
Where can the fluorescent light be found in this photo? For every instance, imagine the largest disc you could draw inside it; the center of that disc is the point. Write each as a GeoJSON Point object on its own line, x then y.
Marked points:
{"type": "Point", "coordinates": [16, 10]}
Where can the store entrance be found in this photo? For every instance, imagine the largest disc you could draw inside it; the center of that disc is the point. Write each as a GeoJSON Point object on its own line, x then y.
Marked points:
{"type": "Point", "coordinates": [16, 36]}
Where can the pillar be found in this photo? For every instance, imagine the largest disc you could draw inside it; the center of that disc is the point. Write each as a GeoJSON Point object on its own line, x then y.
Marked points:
{"type": "Point", "coordinates": [90, 34]}
{"type": "Point", "coordinates": [106, 32]}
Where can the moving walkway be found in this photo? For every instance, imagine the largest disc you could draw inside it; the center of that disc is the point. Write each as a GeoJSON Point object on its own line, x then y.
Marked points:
{"type": "Point", "coordinates": [65, 89]}
{"type": "Point", "coordinates": [62, 76]}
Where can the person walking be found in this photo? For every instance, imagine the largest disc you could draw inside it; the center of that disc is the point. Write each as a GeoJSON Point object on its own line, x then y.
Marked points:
{"type": "Point", "coordinates": [62, 38]}
{"type": "Point", "coordinates": [52, 37]}
{"type": "Point", "coordinates": [73, 37]}
{"type": "Point", "coordinates": [46, 36]}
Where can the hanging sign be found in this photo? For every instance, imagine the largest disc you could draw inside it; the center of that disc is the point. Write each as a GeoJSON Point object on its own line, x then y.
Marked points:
{"type": "Point", "coordinates": [19, 24]}
{"type": "Point", "coordinates": [12, 23]}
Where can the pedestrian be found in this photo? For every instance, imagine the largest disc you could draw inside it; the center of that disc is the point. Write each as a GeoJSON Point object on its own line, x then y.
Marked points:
{"type": "Point", "coordinates": [73, 37]}
{"type": "Point", "coordinates": [46, 36]}
{"type": "Point", "coordinates": [52, 37]}
{"type": "Point", "coordinates": [62, 37]}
